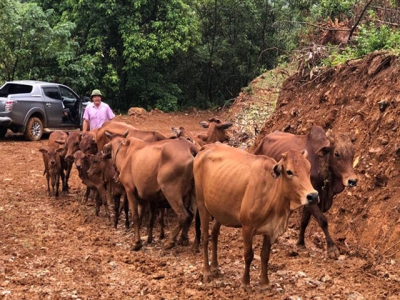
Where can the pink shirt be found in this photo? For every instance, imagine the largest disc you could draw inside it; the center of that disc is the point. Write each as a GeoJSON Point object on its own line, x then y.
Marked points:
{"type": "Point", "coordinates": [96, 116]}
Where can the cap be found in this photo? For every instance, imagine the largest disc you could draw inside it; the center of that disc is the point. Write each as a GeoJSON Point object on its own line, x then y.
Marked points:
{"type": "Point", "coordinates": [96, 93]}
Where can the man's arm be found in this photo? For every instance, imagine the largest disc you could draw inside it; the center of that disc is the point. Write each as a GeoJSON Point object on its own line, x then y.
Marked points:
{"type": "Point", "coordinates": [85, 126]}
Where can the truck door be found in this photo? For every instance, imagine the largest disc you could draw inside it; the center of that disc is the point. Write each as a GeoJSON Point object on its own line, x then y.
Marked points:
{"type": "Point", "coordinates": [53, 105]}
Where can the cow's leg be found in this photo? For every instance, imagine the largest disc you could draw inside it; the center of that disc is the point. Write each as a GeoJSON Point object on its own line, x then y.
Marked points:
{"type": "Point", "coordinates": [152, 216]}
{"type": "Point", "coordinates": [176, 203]}
{"type": "Point", "coordinates": [214, 246]}
{"type": "Point", "coordinates": [162, 223]}
{"type": "Point", "coordinates": [333, 251]}
{"type": "Point", "coordinates": [204, 220]}
{"type": "Point", "coordinates": [247, 234]}
{"type": "Point", "coordinates": [133, 206]}
{"type": "Point", "coordinates": [86, 195]}
{"type": "Point", "coordinates": [265, 251]}
{"type": "Point", "coordinates": [104, 198]}
{"type": "Point", "coordinates": [184, 239]}
{"type": "Point", "coordinates": [62, 181]}
{"type": "Point", "coordinates": [305, 219]}
{"type": "Point", "coordinates": [57, 184]}
{"type": "Point", "coordinates": [117, 202]}
{"type": "Point", "coordinates": [126, 209]}
{"type": "Point", "coordinates": [48, 183]}
{"type": "Point", "coordinates": [67, 174]}
{"type": "Point", "coordinates": [53, 184]}
{"type": "Point", "coordinates": [98, 202]}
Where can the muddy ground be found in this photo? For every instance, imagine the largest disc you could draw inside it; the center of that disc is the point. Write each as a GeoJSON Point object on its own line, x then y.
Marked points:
{"type": "Point", "coordinates": [58, 249]}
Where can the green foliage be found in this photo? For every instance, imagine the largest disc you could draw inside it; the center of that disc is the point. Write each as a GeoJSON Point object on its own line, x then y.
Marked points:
{"type": "Point", "coordinates": [333, 9]}
{"type": "Point", "coordinates": [370, 38]}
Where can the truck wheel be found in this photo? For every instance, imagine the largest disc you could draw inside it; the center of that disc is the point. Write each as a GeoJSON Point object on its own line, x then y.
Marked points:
{"type": "Point", "coordinates": [3, 131]}
{"type": "Point", "coordinates": [34, 129]}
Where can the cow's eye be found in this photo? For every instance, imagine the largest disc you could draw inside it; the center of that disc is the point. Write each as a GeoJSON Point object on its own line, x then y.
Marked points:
{"type": "Point", "coordinates": [76, 144]}
{"type": "Point", "coordinates": [289, 173]}
{"type": "Point", "coordinates": [337, 154]}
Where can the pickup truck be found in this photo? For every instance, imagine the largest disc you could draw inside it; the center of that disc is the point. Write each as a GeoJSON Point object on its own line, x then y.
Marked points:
{"type": "Point", "coordinates": [34, 107]}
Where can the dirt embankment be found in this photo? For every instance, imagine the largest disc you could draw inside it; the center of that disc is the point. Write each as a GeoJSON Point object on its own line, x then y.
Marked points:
{"type": "Point", "coordinates": [360, 98]}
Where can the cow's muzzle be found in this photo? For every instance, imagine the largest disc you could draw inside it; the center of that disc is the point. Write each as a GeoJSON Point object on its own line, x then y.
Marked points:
{"type": "Point", "coordinates": [352, 182]}
{"type": "Point", "coordinates": [312, 198]}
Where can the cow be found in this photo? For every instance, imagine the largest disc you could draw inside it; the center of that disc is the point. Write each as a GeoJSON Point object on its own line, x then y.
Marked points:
{"type": "Point", "coordinates": [154, 171]}
{"type": "Point", "coordinates": [88, 142]}
{"type": "Point", "coordinates": [253, 192]}
{"type": "Point", "coordinates": [216, 132]}
{"type": "Point", "coordinates": [95, 184]}
{"type": "Point", "coordinates": [331, 157]}
{"type": "Point", "coordinates": [53, 168]}
{"type": "Point", "coordinates": [103, 169]}
{"type": "Point", "coordinates": [71, 145]}
{"type": "Point", "coordinates": [111, 126]}
{"type": "Point", "coordinates": [58, 139]}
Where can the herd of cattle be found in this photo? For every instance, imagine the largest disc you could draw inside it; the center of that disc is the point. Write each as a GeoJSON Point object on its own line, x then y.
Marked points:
{"type": "Point", "coordinates": [196, 175]}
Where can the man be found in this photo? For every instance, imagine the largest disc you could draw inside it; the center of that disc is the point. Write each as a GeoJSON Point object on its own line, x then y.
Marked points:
{"type": "Point", "coordinates": [97, 112]}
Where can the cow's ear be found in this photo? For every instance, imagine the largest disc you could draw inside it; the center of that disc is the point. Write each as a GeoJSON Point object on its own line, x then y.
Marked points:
{"type": "Point", "coordinates": [277, 170]}
{"type": "Point", "coordinates": [43, 150]}
{"type": "Point", "coordinates": [323, 148]}
{"type": "Point", "coordinates": [60, 150]}
{"type": "Point", "coordinates": [204, 124]}
{"type": "Point", "coordinates": [176, 131]}
{"type": "Point", "coordinates": [224, 125]}
{"type": "Point", "coordinates": [323, 151]}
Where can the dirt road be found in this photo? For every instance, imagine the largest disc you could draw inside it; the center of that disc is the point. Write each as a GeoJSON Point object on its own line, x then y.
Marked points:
{"type": "Point", "coordinates": [58, 249]}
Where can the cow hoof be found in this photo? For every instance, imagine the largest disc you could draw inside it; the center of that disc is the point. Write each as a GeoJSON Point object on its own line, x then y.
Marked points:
{"type": "Point", "coordinates": [169, 245]}
{"type": "Point", "coordinates": [183, 241]}
{"type": "Point", "coordinates": [206, 277]}
{"type": "Point", "coordinates": [333, 252]}
{"type": "Point", "coordinates": [137, 246]}
{"type": "Point", "coordinates": [245, 286]}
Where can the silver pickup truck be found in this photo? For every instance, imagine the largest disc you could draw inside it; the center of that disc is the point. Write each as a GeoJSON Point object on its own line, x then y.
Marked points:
{"type": "Point", "coordinates": [34, 107]}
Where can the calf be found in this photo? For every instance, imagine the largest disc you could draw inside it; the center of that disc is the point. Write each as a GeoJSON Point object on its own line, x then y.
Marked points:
{"type": "Point", "coordinates": [71, 145]}
{"type": "Point", "coordinates": [95, 184]}
{"type": "Point", "coordinates": [253, 192]}
{"type": "Point", "coordinates": [101, 168]}
{"type": "Point", "coordinates": [57, 139]}
{"type": "Point", "coordinates": [53, 169]}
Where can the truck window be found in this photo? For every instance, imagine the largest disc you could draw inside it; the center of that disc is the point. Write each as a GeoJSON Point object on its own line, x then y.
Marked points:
{"type": "Point", "coordinates": [52, 92]}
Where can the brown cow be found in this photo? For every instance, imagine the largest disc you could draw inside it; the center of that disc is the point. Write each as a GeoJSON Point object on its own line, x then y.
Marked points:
{"type": "Point", "coordinates": [103, 169]}
{"type": "Point", "coordinates": [331, 159]}
{"type": "Point", "coordinates": [216, 132]}
{"type": "Point", "coordinates": [156, 171]}
{"type": "Point", "coordinates": [252, 192]}
{"type": "Point", "coordinates": [111, 126]}
{"type": "Point", "coordinates": [116, 127]}
{"type": "Point", "coordinates": [71, 145]}
{"type": "Point", "coordinates": [53, 168]}
{"type": "Point", "coordinates": [88, 142]}
{"type": "Point", "coordinates": [82, 163]}
{"type": "Point", "coordinates": [57, 139]}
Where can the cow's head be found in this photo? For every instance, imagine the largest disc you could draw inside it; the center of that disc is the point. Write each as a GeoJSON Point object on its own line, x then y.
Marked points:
{"type": "Point", "coordinates": [341, 158]}
{"type": "Point", "coordinates": [72, 145]}
{"type": "Point", "coordinates": [294, 171]}
{"type": "Point", "coordinates": [216, 131]}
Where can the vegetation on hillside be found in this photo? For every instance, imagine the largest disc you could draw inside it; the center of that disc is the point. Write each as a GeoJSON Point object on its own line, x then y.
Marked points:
{"type": "Point", "coordinates": [179, 53]}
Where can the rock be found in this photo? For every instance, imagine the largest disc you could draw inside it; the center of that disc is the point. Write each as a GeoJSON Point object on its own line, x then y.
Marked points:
{"type": "Point", "coordinates": [355, 296]}
{"type": "Point", "coordinates": [137, 111]}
